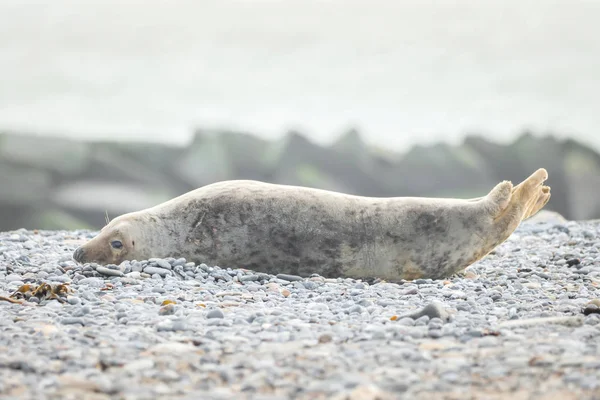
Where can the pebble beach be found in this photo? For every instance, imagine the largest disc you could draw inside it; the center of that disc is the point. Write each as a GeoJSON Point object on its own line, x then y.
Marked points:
{"type": "Point", "coordinates": [522, 323]}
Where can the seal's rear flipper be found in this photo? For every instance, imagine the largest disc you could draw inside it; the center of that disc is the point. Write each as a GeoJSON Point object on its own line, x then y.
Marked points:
{"type": "Point", "coordinates": [526, 199]}
{"type": "Point", "coordinates": [541, 202]}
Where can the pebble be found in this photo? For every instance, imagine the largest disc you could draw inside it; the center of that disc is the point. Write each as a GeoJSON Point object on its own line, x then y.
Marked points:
{"type": "Point", "coordinates": [290, 278]}
{"type": "Point", "coordinates": [137, 267]}
{"type": "Point", "coordinates": [13, 278]}
{"type": "Point", "coordinates": [215, 314]}
{"type": "Point", "coordinates": [407, 321]}
{"type": "Point", "coordinates": [180, 262]}
{"type": "Point", "coordinates": [73, 300]}
{"type": "Point", "coordinates": [162, 264]}
{"type": "Point", "coordinates": [573, 261]}
{"type": "Point", "coordinates": [591, 309]}
{"type": "Point", "coordinates": [92, 282]}
{"type": "Point", "coordinates": [72, 321]}
{"type": "Point", "coordinates": [249, 278]}
{"type": "Point", "coordinates": [161, 272]}
{"type": "Point", "coordinates": [108, 271]}
{"type": "Point", "coordinates": [169, 309]}
{"type": "Point", "coordinates": [432, 310]}
{"type": "Point", "coordinates": [325, 338]}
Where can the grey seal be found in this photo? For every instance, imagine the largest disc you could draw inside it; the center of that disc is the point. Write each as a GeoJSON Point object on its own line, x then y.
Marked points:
{"type": "Point", "coordinates": [302, 231]}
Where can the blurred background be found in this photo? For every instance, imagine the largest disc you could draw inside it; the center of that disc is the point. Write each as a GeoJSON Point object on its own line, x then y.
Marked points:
{"type": "Point", "coordinates": [110, 106]}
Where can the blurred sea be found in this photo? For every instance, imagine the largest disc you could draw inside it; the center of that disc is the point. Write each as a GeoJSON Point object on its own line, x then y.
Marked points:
{"type": "Point", "coordinates": [402, 71]}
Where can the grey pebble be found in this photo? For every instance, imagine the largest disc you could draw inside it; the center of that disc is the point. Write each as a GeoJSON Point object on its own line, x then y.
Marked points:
{"type": "Point", "coordinates": [179, 261]}
{"type": "Point", "coordinates": [289, 278]}
{"type": "Point", "coordinates": [249, 278]}
{"type": "Point", "coordinates": [137, 267]}
{"type": "Point", "coordinates": [168, 309]}
{"type": "Point", "coordinates": [72, 321]}
{"type": "Point", "coordinates": [92, 282]}
{"type": "Point", "coordinates": [435, 333]}
{"type": "Point", "coordinates": [216, 313]}
{"type": "Point", "coordinates": [221, 276]}
{"type": "Point", "coordinates": [73, 300]}
{"type": "Point", "coordinates": [310, 285]}
{"type": "Point", "coordinates": [13, 278]}
{"type": "Point", "coordinates": [356, 309]}
{"type": "Point", "coordinates": [161, 272]}
{"type": "Point", "coordinates": [407, 321]}
{"type": "Point", "coordinates": [432, 310]}
{"type": "Point", "coordinates": [163, 264]}
{"type": "Point", "coordinates": [108, 271]}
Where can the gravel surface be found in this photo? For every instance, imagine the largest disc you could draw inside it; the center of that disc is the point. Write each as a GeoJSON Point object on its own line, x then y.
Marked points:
{"type": "Point", "coordinates": [520, 324]}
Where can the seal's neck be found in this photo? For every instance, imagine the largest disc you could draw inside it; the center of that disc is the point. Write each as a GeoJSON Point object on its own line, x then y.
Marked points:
{"type": "Point", "coordinates": [158, 236]}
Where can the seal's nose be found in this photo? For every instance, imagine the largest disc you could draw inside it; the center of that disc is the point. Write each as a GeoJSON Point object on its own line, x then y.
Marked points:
{"type": "Point", "coordinates": [78, 254]}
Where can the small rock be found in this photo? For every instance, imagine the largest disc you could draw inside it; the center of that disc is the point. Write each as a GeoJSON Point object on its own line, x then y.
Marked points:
{"type": "Point", "coordinates": [435, 333]}
{"type": "Point", "coordinates": [108, 271]}
{"type": "Point", "coordinates": [532, 285]}
{"type": "Point", "coordinates": [406, 321]}
{"type": "Point", "coordinates": [13, 278]}
{"type": "Point", "coordinates": [325, 338]}
{"type": "Point", "coordinates": [139, 365]}
{"type": "Point", "coordinates": [595, 302]}
{"type": "Point", "coordinates": [367, 392]}
{"type": "Point", "coordinates": [471, 275]}
{"type": "Point", "coordinates": [583, 271]}
{"type": "Point", "coordinates": [432, 310]}
{"type": "Point", "coordinates": [155, 270]}
{"type": "Point", "coordinates": [72, 321]}
{"type": "Point", "coordinates": [134, 275]}
{"type": "Point", "coordinates": [73, 300]}
{"type": "Point", "coordinates": [92, 282]}
{"type": "Point", "coordinates": [289, 278]}
{"type": "Point", "coordinates": [163, 264]}
{"type": "Point", "coordinates": [356, 309]}
{"type": "Point", "coordinates": [179, 261]}
{"type": "Point", "coordinates": [169, 309]}
{"type": "Point", "coordinates": [310, 285]}
{"type": "Point", "coordinates": [137, 267]}
{"type": "Point", "coordinates": [216, 313]}
{"type": "Point", "coordinates": [573, 261]}
{"type": "Point", "coordinates": [435, 323]}
{"type": "Point", "coordinates": [591, 309]}
{"type": "Point", "coordinates": [272, 287]}
{"type": "Point", "coordinates": [249, 278]}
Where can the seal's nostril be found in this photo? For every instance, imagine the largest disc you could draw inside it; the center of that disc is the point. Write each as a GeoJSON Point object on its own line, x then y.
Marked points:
{"type": "Point", "coordinates": [78, 254]}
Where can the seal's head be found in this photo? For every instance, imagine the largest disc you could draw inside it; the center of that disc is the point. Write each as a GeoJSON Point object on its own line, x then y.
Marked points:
{"type": "Point", "coordinates": [122, 239]}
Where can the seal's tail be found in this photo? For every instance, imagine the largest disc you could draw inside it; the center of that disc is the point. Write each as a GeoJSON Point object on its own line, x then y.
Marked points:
{"type": "Point", "coordinates": [524, 200]}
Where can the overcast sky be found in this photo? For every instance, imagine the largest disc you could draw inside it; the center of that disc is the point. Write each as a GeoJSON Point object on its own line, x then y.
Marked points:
{"type": "Point", "coordinates": [404, 72]}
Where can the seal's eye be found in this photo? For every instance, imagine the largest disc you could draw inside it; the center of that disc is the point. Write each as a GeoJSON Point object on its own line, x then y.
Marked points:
{"type": "Point", "coordinates": [116, 244]}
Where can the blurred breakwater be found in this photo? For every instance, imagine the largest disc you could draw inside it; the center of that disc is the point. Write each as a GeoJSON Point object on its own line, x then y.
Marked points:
{"type": "Point", "coordinates": [57, 183]}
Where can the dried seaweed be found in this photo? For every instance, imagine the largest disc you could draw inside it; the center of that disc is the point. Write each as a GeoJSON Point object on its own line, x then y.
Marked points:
{"type": "Point", "coordinates": [44, 291]}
